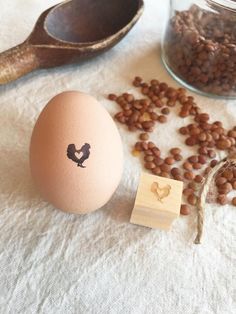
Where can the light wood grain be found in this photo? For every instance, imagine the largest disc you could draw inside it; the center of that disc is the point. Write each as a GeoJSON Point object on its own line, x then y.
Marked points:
{"type": "Point", "coordinates": [158, 202]}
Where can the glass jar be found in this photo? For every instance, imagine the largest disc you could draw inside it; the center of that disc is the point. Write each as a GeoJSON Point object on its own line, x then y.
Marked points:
{"type": "Point", "coordinates": [199, 45]}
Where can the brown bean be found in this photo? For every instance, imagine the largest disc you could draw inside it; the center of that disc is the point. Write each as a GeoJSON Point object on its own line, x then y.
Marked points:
{"type": "Point", "coordinates": [144, 90]}
{"type": "Point", "coordinates": [234, 184]}
{"type": "Point", "coordinates": [197, 166]}
{"type": "Point", "coordinates": [222, 199]}
{"type": "Point", "coordinates": [192, 199]}
{"type": "Point", "coordinates": [183, 131]}
{"type": "Point", "coordinates": [138, 79]}
{"type": "Point", "coordinates": [213, 163]}
{"type": "Point", "coordinates": [132, 128]}
{"type": "Point", "coordinates": [232, 141]}
{"type": "Point", "coordinates": [234, 201]}
{"type": "Point", "coordinates": [203, 117]}
{"type": "Point", "coordinates": [228, 174]}
{"type": "Point", "coordinates": [134, 117]}
{"type": "Point", "coordinates": [148, 152]}
{"type": "Point", "coordinates": [232, 133]}
{"type": "Point", "coordinates": [164, 174]}
{"type": "Point", "coordinates": [175, 151]}
{"type": "Point", "coordinates": [178, 157]}
{"type": "Point", "coordinates": [171, 103]}
{"type": "Point", "coordinates": [138, 146]}
{"type": "Point", "coordinates": [165, 111]}
{"type": "Point", "coordinates": [178, 177]}
{"type": "Point", "coordinates": [227, 186]}
{"type": "Point", "coordinates": [163, 86]}
{"type": "Point", "coordinates": [220, 181]}
{"type": "Point", "coordinates": [218, 123]}
{"type": "Point", "coordinates": [150, 165]}
{"type": "Point", "coordinates": [184, 113]}
{"type": "Point", "coordinates": [149, 158]}
{"type": "Point", "coordinates": [232, 181]}
{"type": "Point", "coordinates": [158, 103]}
{"type": "Point", "coordinates": [156, 171]}
{"type": "Point", "coordinates": [137, 105]}
{"type": "Point", "coordinates": [207, 170]}
{"type": "Point", "coordinates": [151, 145]}
{"type": "Point", "coordinates": [215, 135]}
{"type": "Point", "coordinates": [195, 131]}
{"type": "Point", "coordinates": [145, 102]}
{"type": "Point", "coordinates": [149, 130]}
{"type": "Point", "coordinates": [170, 92]}
{"type": "Point", "coordinates": [202, 137]}
{"type": "Point", "coordinates": [169, 160]}
{"type": "Point", "coordinates": [129, 98]}
{"type": "Point", "coordinates": [154, 82]}
{"type": "Point", "coordinates": [189, 175]}
{"type": "Point", "coordinates": [144, 146]}
{"type": "Point", "coordinates": [193, 185]}
{"type": "Point", "coordinates": [158, 161]}
{"type": "Point", "coordinates": [136, 83]}
{"type": "Point", "coordinates": [184, 210]}
{"type": "Point", "coordinates": [198, 178]}
{"type": "Point", "coordinates": [187, 165]}
{"type": "Point", "coordinates": [120, 99]}
{"type": "Point", "coordinates": [162, 119]}
{"type": "Point", "coordinates": [202, 159]}
{"type": "Point", "coordinates": [144, 137]}
{"type": "Point", "coordinates": [175, 171]}
{"type": "Point", "coordinates": [203, 151]}
{"type": "Point", "coordinates": [154, 116]}
{"type": "Point", "coordinates": [193, 159]}
{"type": "Point", "coordinates": [223, 144]}
{"type": "Point", "coordinates": [165, 168]}
{"type": "Point", "coordinates": [128, 113]}
{"type": "Point", "coordinates": [188, 191]}
{"type": "Point", "coordinates": [147, 124]}
{"type": "Point", "coordinates": [112, 97]}
{"type": "Point", "coordinates": [156, 152]}
{"type": "Point", "coordinates": [191, 141]}
{"type": "Point", "coordinates": [211, 153]}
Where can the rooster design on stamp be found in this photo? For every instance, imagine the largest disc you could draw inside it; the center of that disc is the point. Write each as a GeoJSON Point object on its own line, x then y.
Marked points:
{"type": "Point", "coordinates": [160, 192]}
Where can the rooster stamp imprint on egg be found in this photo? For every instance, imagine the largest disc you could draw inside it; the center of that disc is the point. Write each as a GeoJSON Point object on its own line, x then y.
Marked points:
{"type": "Point", "coordinates": [75, 154]}
{"type": "Point", "coordinates": [160, 192]}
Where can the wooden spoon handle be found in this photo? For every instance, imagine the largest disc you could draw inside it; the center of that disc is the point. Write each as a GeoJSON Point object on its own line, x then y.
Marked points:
{"type": "Point", "coordinates": [17, 62]}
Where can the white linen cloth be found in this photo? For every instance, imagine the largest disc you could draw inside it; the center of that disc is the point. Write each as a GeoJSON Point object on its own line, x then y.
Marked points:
{"type": "Point", "coordinates": [51, 262]}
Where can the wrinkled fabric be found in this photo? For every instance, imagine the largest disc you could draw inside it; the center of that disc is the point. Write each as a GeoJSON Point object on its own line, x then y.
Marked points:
{"type": "Point", "coordinates": [52, 262]}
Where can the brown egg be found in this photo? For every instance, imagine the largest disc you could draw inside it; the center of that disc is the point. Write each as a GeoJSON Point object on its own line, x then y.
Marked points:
{"type": "Point", "coordinates": [76, 155]}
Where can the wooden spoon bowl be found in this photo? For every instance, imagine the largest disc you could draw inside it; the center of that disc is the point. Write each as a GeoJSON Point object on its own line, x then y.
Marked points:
{"type": "Point", "coordinates": [69, 32]}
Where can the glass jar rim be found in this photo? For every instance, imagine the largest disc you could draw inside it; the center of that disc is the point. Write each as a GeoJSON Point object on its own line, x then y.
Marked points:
{"type": "Point", "coordinates": [224, 4]}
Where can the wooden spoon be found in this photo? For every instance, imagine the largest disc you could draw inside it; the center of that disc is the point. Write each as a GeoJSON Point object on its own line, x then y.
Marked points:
{"type": "Point", "coordinates": [69, 32]}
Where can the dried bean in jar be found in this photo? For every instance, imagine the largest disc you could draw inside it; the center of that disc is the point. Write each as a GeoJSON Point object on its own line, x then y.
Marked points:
{"type": "Point", "coordinates": [200, 49]}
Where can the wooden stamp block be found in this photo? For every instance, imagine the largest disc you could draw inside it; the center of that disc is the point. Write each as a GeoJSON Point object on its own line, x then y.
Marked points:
{"type": "Point", "coordinates": [158, 202]}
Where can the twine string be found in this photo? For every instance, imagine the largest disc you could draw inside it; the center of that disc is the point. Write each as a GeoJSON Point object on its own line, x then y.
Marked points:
{"type": "Point", "coordinates": [227, 162]}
